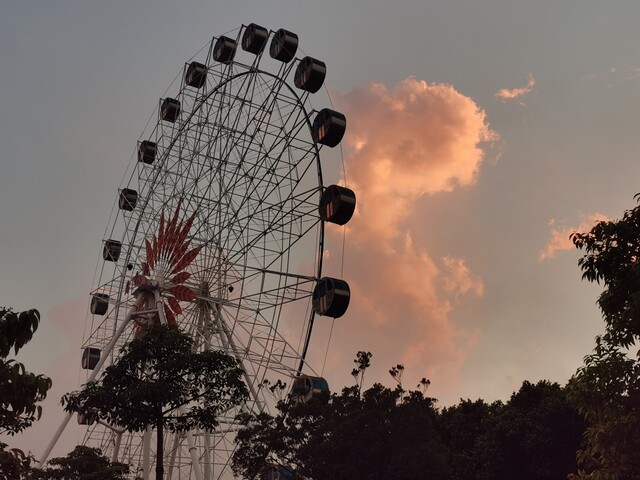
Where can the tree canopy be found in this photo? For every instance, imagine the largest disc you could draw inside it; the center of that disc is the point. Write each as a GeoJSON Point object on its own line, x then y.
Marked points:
{"type": "Point", "coordinates": [83, 463]}
{"type": "Point", "coordinates": [606, 389]}
{"type": "Point", "coordinates": [20, 390]}
{"type": "Point", "coordinates": [394, 434]}
{"type": "Point", "coordinates": [159, 380]}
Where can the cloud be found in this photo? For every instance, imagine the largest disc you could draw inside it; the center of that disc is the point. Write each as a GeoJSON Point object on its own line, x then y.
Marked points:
{"type": "Point", "coordinates": [560, 235]}
{"type": "Point", "coordinates": [403, 144]}
{"type": "Point", "coordinates": [507, 94]}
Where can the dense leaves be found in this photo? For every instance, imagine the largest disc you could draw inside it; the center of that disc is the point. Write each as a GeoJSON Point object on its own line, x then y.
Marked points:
{"type": "Point", "coordinates": [393, 434]}
{"type": "Point", "coordinates": [352, 437]}
{"type": "Point", "coordinates": [160, 380]}
{"type": "Point", "coordinates": [606, 389]}
{"type": "Point", "coordinates": [20, 391]}
{"type": "Point", "coordinates": [83, 463]}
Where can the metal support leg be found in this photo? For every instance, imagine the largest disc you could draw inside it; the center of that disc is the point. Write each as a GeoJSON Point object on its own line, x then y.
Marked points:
{"type": "Point", "coordinates": [92, 377]}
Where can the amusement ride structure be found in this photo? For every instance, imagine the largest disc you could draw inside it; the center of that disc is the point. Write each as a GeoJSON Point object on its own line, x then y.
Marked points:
{"type": "Point", "coordinates": [219, 229]}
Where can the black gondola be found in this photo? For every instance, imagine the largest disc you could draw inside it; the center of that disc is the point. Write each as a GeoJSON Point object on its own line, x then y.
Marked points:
{"type": "Point", "coordinates": [170, 109]}
{"type": "Point", "coordinates": [310, 74]}
{"type": "Point", "coordinates": [254, 38]}
{"type": "Point", "coordinates": [196, 75]}
{"type": "Point", "coordinates": [99, 303]}
{"type": "Point", "coordinates": [90, 358]}
{"type": "Point", "coordinates": [111, 250]}
{"type": "Point", "coordinates": [337, 204]}
{"type": "Point", "coordinates": [147, 151]}
{"type": "Point", "coordinates": [331, 297]}
{"type": "Point", "coordinates": [284, 45]}
{"type": "Point", "coordinates": [224, 50]}
{"type": "Point", "coordinates": [328, 127]}
{"type": "Point", "coordinates": [127, 199]}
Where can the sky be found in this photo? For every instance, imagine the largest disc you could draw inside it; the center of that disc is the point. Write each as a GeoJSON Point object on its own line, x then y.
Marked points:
{"type": "Point", "coordinates": [480, 135]}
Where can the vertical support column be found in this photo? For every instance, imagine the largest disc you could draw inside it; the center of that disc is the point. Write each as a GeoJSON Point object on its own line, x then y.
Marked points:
{"type": "Point", "coordinates": [103, 358]}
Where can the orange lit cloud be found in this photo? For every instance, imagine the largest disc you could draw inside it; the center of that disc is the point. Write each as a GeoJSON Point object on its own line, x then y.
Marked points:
{"type": "Point", "coordinates": [560, 235]}
{"type": "Point", "coordinates": [402, 144]}
{"type": "Point", "coordinates": [507, 94]}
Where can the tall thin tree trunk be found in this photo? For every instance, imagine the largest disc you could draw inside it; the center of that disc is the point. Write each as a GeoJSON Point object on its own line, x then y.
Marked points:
{"type": "Point", "coordinates": [159, 447]}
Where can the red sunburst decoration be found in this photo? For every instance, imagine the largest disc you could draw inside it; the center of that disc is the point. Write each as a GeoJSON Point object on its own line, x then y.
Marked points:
{"type": "Point", "coordinates": [167, 257]}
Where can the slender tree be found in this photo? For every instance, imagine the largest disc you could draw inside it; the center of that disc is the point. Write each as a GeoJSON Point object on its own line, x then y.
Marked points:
{"type": "Point", "coordinates": [160, 381]}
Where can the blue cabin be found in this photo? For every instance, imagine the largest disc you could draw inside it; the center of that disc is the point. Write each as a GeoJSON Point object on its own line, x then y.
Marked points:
{"type": "Point", "coordinates": [306, 388]}
{"type": "Point", "coordinates": [277, 472]}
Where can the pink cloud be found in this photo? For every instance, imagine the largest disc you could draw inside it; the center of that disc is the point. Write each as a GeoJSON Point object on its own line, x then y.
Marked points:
{"type": "Point", "coordinates": [507, 94]}
{"type": "Point", "coordinates": [402, 144]}
{"type": "Point", "coordinates": [560, 235]}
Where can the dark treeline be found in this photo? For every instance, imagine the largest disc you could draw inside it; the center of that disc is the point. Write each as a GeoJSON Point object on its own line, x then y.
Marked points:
{"type": "Point", "coordinates": [395, 434]}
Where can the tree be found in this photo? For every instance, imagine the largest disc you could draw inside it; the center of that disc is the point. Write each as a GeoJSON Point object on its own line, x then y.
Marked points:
{"type": "Point", "coordinates": [83, 463]}
{"type": "Point", "coordinates": [606, 389]}
{"type": "Point", "coordinates": [382, 433]}
{"type": "Point", "coordinates": [394, 434]}
{"type": "Point", "coordinates": [20, 391]}
{"type": "Point", "coordinates": [160, 381]}
{"type": "Point", "coordinates": [535, 435]}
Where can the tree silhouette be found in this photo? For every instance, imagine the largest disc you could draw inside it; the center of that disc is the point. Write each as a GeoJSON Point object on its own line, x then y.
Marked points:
{"type": "Point", "coordinates": [20, 391]}
{"type": "Point", "coordinates": [160, 381]}
{"type": "Point", "coordinates": [606, 389]}
{"type": "Point", "coordinates": [83, 463]}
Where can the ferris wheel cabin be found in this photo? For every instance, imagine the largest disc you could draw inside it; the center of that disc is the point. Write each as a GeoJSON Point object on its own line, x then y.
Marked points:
{"type": "Point", "coordinates": [127, 199]}
{"type": "Point", "coordinates": [277, 472]}
{"type": "Point", "coordinates": [310, 74]}
{"type": "Point", "coordinates": [90, 358]}
{"type": "Point", "coordinates": [306, 388]}
{"type": "Point", "coordinates": [224, 50]}
{"type": "Point", "coordinates": [254, 39]}
{"type": "Point", "coordinates": [196, 75]}
{"type": "Point", "coordinates": [284, 45]}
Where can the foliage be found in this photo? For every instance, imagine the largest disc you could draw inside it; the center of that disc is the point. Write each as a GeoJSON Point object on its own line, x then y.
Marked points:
{"type": "Point", "coordinates": [396, 434]}
{"type": "Point", "coordinates": [380, 434]}
{"type": "Point", "coordinates": [20, 390]}
{"type": "Point", "coordinates": [14, 463]}
{"type": "Point", "coordinates": [362, 361]}
{"type": "Point", "coordinates": [160, 380]}
{"type": "Point", "coordinates": [83, 463]}
{"type": "Point", "coordinates": [611, 257]}
{"type": "Point", "coordinates": [606, 390]}
{"type": "Point", "coordinates": [535, 435]}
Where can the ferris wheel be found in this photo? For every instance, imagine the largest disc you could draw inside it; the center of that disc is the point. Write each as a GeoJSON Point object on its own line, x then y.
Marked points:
{"type": "Point", "coordinates": [219, 229]}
